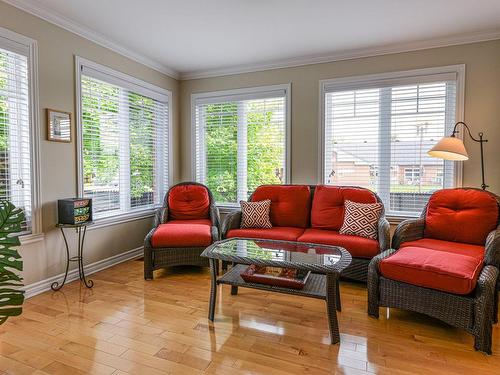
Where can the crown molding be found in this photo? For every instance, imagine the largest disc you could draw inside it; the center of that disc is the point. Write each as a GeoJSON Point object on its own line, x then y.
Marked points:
{"type": "Point", "coordinates": [70, 25]}
{"type": "Point", "coordinates": [346, 55]}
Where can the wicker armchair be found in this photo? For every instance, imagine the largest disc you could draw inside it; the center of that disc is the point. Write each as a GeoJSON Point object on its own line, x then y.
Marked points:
{"type": "Point", "coordinates": [156, 257]}
{"type": "Point", "coordinates": [474, 312]}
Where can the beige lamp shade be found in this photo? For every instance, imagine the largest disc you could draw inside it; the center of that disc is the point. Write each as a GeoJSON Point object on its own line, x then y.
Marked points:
{"type": "Point", "coordinates": [449, 148]}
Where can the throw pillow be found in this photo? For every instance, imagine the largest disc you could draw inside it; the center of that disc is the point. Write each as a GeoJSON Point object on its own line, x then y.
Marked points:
{"type": "Point", "coordinates": [361, 219]}
{"type": "Point", "coordinates": [255, 214]}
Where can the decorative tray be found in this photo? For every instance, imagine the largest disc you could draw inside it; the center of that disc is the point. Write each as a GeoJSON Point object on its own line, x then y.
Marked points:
{"type": "Point", "coordinates": [276, 276]}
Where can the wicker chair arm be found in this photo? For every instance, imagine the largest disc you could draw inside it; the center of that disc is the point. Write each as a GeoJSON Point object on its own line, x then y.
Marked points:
{"type": "Point", "coordinates": [408, 230]}
{"type": "Point", "coordinates": [147, 239]}
{"type": "Point", "coordinates": [215, 233]}
{"type": "Point", "coordinates": [384, 234]}
{"type": "Point", "coordinates": [161, 216]}
{"type": "Point", "coordinates": [373, 282]}
{"type": "Point", "coordinates": [492, 248]}
{"type": "Point", "coordinates": [231, 221]}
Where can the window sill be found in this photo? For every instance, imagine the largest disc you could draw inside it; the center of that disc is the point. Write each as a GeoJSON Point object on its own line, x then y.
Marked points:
{"type": "Point", "coordinates": [31, 238]}
{"type": "Point", "coordinates": [122, 218]}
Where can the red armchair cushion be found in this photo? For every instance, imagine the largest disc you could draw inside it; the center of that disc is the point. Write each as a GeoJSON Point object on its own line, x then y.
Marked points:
{"type": "Point", "coordinates": [358, 246]}
{"type": "Point", "coordinates": [183, 233]}
{"type": "Point", "coordinates": [290, 204]}
{"type": "Point", "coordinates": [328, 204]}
{"type": "Point", "coordinates": [461, 215]}
{"type": "Point", "coordinates": [186, 202]}
{"type": "Point", "coordinates": [274, 233]}
{"type": "Point", "coordinates": [446, 271]}
{"type": "Point", "coordinates": [475, 251]}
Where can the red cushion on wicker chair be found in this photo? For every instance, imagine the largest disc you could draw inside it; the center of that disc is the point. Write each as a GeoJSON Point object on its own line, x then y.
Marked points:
{"type": "Point", "coordinates": [475, 251]}
{"type": "Point", "coordinates": [183, 233]}
{"type": "Point", "coordinates": [328, 204]}
{"type": "Point", "coordinates": [358, 246]}
{"type": "Point", "coordinates": [186, 202]}
{"type": "Point", "coordinates": [274, 233]}
{"type": "Point", "coordinates": [289, 204]}
{"type": "Point", "coordinates": [461, 215]}
{"type": "Point", "coordinates": [445, 271]}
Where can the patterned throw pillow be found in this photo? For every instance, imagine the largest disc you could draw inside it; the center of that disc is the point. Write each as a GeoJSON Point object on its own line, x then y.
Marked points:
{"type": "Point", "coordinates": [361, 219]}
{"type": "Point", "coordinates": [255, 214]}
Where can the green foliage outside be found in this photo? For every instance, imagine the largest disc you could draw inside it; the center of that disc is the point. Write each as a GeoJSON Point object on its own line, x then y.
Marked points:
{"type": "Point", "coordinates": [101, 132]}
{"type": "Point", "coordinates": [265, 154]}
{"type": "Point", "coordinates": [11, 294]}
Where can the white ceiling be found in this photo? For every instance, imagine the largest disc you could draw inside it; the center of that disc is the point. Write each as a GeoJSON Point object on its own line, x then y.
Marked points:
{"type": "Point", "coordinates": [197, 37]}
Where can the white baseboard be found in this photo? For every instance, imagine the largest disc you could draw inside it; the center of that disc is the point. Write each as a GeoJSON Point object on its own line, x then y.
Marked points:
{"type": "Point", "coordinates": [44, 285]}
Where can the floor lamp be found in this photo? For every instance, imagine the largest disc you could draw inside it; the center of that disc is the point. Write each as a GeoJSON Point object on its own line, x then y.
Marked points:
{"type": "Point", "coordinates": [453, 148]}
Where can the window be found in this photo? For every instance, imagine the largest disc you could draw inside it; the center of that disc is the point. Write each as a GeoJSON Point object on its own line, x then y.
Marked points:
{"type": "Point", "coordinates": [377, 131]}
{"type": "Point", "coordinates": [18, 136]}
{"type": "Point", "coordinates": [240, 138]}
{"type": "Point", "coordinates": [124, 130]}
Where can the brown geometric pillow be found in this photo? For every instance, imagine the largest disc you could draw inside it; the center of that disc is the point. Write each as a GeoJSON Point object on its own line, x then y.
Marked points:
{"type": "Point", "coordinates": [361, 219]}
{"type": "Point", "coordinates": [255, 214]}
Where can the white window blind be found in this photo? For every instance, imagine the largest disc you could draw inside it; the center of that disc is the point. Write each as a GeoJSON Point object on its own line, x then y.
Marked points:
{"type": "Point", "coordinates": [124, 144]}
{"type": "Point", "coordinates": [241, 142]}
{"type": "Point", "coordinates": [377, 134]}
{"type": "Point", "coordinates": [15, 131]}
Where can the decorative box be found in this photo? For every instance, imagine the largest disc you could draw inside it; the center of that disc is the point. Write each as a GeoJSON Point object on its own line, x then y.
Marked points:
{"type": "Point", "coordinates": [74, 210]}
{"type": "Point", "coordinates": [276, 276]}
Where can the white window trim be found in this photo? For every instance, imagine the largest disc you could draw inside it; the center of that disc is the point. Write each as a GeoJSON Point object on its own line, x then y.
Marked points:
{"type": "Point", "coordinates": [136, 214]}
{"type": "Point", "coordinates": [287, 87]}
{"type": "Point", "coordinates": [23, 42]}
{"type": "Point", "coordinates": [376, 79]}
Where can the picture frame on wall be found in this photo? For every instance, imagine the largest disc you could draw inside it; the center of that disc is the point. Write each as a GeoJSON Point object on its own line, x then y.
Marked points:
{"type": "Point", "coordinates": [58, 126]}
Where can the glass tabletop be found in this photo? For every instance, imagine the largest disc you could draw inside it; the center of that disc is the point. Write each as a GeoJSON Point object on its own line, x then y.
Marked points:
{"type": "Point", "coordinates": [280, 253]}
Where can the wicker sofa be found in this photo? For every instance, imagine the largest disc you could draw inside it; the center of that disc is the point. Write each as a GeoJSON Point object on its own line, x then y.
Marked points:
{"type": "Point", "coordinates": [187, 223]}
{"type": "Point", "coordinates": [314, 214]}
{"type": "Point", "coordinates": [444, 264]}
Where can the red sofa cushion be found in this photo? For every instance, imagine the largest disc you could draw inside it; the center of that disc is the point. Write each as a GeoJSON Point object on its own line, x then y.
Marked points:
{"type": "Point", "coordinates": [461, 215]}
{"type": "Point", "coordinates": [360, 247]}
{"type": "Point", "coordinates": [274, 233]}
{"type": "Point", "coordinates": [328, 204]}
{"type": "Point", "coordinates": [446, 271]}
{"type": "Point", "coordinates": [183, 233]}
{"type": "Point", "coordinates": [475, 251]}
{"type": "Point", "coordinates": [290, 204]}
{"type": "Point", "coordinates": [186, 202]}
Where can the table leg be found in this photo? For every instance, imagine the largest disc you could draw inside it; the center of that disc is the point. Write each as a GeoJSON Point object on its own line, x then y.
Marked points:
{"type": "Point", "coordinates": [89, 283]}
{"type": "Point", "coordinates": [234, 290]}
{"type": "Point", "coordinates": [55, 285]}
{"type": "Point", "coordinates": [213, 289]}
{"type": "Point", "coordinates": [331, 306]}
{"type": "Point", "coordinates": [337, 295]}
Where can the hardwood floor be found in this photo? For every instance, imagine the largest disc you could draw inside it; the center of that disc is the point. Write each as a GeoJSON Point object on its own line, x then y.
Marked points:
{"type": "Point", "coordinates": [126, 325]}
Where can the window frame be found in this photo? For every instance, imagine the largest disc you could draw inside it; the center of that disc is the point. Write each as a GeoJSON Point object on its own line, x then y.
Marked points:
{"type": "Point", "coordinates": [403, 77]}
{"type": "Point", "coordinates": [132, 215]}
{"type": "Point", "coordinates": [254, 90]}
{"type": "Point", "coordinates": [29, 47]}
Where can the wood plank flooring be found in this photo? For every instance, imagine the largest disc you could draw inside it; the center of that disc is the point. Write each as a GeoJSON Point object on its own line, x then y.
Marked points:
{"type": "Point", "coordinates": [126, 325]}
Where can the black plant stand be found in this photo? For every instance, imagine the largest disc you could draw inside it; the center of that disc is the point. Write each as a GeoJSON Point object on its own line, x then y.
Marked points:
{"type": "Point", "coordinates": [81, 229]}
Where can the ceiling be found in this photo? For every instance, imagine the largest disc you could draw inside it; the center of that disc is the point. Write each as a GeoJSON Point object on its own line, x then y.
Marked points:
{"type": "Point", "coordinates": [191, 38]}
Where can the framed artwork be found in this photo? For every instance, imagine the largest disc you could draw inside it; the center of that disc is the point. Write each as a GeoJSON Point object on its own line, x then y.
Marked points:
{"type": "Point", "coordinates": [58, 126]}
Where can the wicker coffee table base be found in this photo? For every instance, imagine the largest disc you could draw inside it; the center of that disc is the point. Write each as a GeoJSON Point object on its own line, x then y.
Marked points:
{"type": "Point", "coordinates": [321, 286]}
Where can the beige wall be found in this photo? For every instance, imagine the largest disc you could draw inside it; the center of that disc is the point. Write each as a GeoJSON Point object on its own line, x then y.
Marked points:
{"type": "Point", "coordinates": [482, 102]}
{"type": "Point", "coordinates": [56, 50]}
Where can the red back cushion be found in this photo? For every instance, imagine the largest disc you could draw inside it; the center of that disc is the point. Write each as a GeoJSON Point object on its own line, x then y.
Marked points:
{"type": "Point", "coordinates": [289, 204]}
{"type": "Point", "coordinates": [186, 202]}
{"type": "Point", "coordinates": [328, 204]}
{"type": "Point", "coordinates": [461, 215]}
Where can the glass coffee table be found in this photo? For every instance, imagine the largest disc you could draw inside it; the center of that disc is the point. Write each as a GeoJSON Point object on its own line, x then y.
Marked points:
{"type": "Point", "coordinates": [324, 262]}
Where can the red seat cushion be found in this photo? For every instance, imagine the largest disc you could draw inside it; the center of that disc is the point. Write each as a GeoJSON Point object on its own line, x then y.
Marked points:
{"type": "Point", "coordinates": [461, 215]}
{"type": "Point", "coordinates": [289, 204]}
{"type": "Point", "coordinates": [186, 202]}
{"type": "Point", "coordinates": [475, 251]}
{"type": "Point", "coordinates": [328, 204]}
{"type": "Point", "coordinates": [446, 271]}
{"type": "Point", "coordinates": [274, 233]}
{"type": "Point", "coordinates": [360, 247]}
{"type": "Point", "coordinates": [183, 233]}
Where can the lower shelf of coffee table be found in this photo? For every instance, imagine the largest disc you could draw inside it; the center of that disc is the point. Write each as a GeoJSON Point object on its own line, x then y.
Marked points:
{"type": "Point", "coordinates": [315, 286]}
